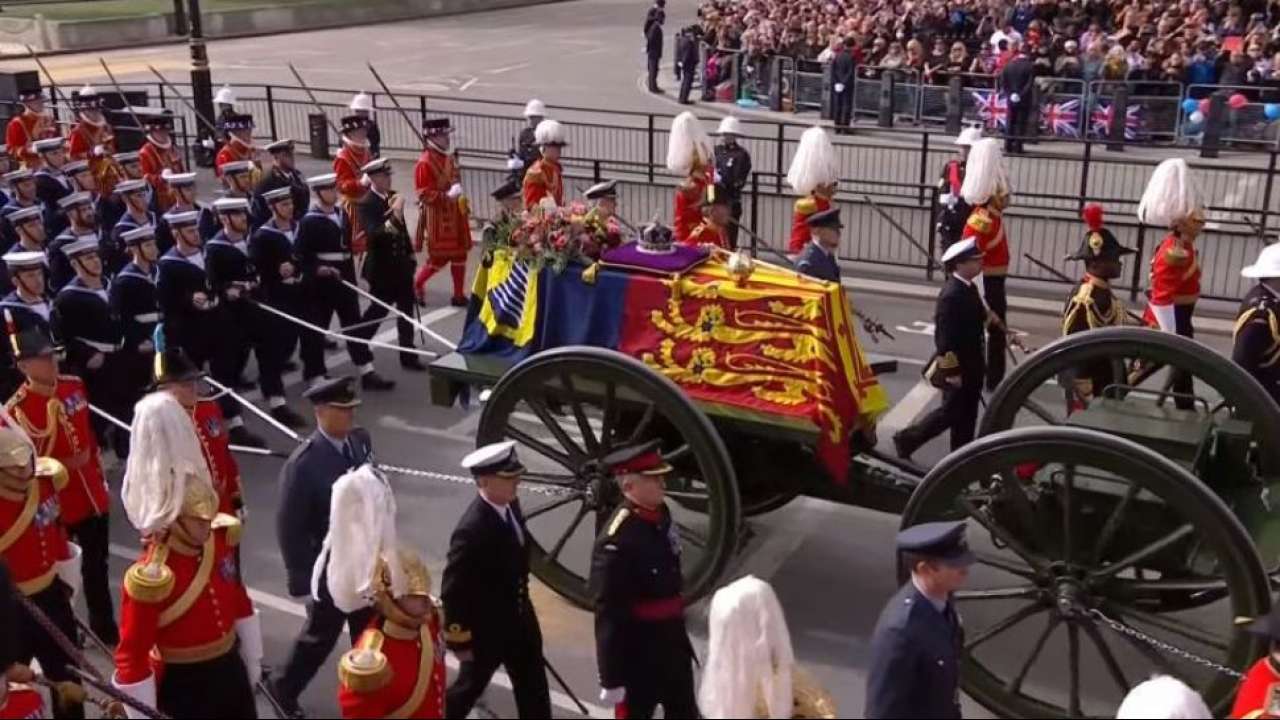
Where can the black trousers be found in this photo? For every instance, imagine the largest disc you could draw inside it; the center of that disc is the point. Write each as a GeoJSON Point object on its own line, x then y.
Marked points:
{"type": "Point", "coordinates": [397, 292]}
{"type": "Point", "coordinates": [521, 656]}
{"type": "Point", "coordinates": [94, 538]}
{"type": "Point", "coordinates": [217, 688]}
{"type": "Point", "coordinates": [324, 299]}
{"type": "Point", "coordinates": [315, 642]}
{"type": "Point", "coordinates": [994, 293]}
{"type": "Point", "coordinates": [735, 208]}
{"type": "Point", "coordinates": [653, 72]}
{"type": "Point", "coordinates": [957, 413]}
{"type": "Point", "coordinates": [110, 387]}
{"type": "Point", "coordinates": [34, 642]}
{"type": "Point", "coordinates": [1019, 113]}
{"type": "Point", "coordinates": [842, 107]}
{"type": "Point", "coordinates": [1183, 383]}
{"type": "Point", "coordinates": [234, 324]}
{"type": "Point", "coordinates": [664, 673]}
{"type": "Point", "coordinates": [276, 339]}
{"type": "Point", "coordinates": [686, 84]}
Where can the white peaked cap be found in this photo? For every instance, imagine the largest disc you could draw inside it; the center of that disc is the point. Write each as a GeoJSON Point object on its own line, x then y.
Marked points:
{"type": "Point", "coordinates": [1171, 195]}
{"type": "Point", "coordinates": [225, 96]}
{"type": "Point", "coordinates": [362, 531]}
{"type": "Point", "coordinates": [1267, 266]}
{"type": "Point", "coordinates": [548, 132]}
{"type": "Point", "coordinates": [730, 126]}
{"type": "Point", "coordinates": [815, 162]}
{"type": "Point", "coordinates": [1163, 697]}
{"type": "Point", "coordinates": [535, 108]}
{"type": "Point", "coordinates": [984, 173]}
{"type": "Point", "coordinates": [88, 91]}
{"type": "Point", "coordinates": [164, 458]}
{"type": "Point", "coordinates": [749, 657]}
{"type": "Point", "coordinates": [688, 143]}
{"type": "Point", "coordinates": [362, 101]}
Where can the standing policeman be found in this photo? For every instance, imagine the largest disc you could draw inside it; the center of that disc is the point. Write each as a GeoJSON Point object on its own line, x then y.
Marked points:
{"type": "Point", "coordinates": [916, 646]}
{"type": "Point", "coordinates": [733, 165]}
{"type": "Point", "coordinates": [489, 618]}
{"type": "Point", "coordinates": [642, 646]}
{"type": "Point", "coordinates": [1257, 333]}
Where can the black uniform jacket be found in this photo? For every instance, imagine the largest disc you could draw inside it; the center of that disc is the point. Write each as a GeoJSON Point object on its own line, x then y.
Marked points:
{"type": "Point", "coordinates": [111, 247]}
{"type": "Point", "coordinates": [274, 179]}
{"type": "Point", "coordinates": [324, 240]}
{"type": "Point", "coordinates": [133, 301]}
{"type": "Point", "coordinates": [734, 165]}
{"type": "Point", "coordinates": [52, 186]}
{"type": "Point", "coordinates": [228, 263]}
{"type": "Point", "coordinates": [1257, 338]}
{"type": "Point", "coordinates": [178, 279]}
{"type": "Point", "coordinates": [84, 323]}
{"type": "Point", "coordinates": [60, 270]}
{"type": "Point", "coordinates": [959, 328]}
{"type": "Point", "coordinates": [269, 248]}
{"type": "Point", "coordinates": [390, 255]}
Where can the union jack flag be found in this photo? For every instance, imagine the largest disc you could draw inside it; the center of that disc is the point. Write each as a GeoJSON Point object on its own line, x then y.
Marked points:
{"type": "Point", "coordinates": [1100, 120]}
{"type": "Point", "coordinates": [1061, 119]}
{"type": "Point", "coordinates": [993, 108]}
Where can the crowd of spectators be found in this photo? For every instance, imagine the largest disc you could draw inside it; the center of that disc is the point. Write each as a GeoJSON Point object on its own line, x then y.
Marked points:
{"type": "Point", "coordinates": [1191, 42]}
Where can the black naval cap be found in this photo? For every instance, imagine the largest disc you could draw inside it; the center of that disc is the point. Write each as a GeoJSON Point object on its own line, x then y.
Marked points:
{"type": "Point", "coordinates": [943, 541]}
{"type": "Point", "coordinates": [510, 188]}
{"type": "Point", "coordinates": [173, 366]}
{"type": "Point", "coordinates": [826, 219]}
{"type": "Point", "coordinates": [606, 189]}
{"type": "Point", "coordinates": [1100, 244]}
{"type": "Point", "coordinates": [338, 392]}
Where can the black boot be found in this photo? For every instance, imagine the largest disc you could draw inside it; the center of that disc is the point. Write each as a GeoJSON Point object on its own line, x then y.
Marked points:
{"type": "Point", "coordinates": [288, 417]}
{"type": "Point", "coordinates": [240, 435]}
{"type": "Point", "coordinates": [902, 445]}
{"type": "Point", "coordinates": [458, 301]}
{"type": "Point", "coordinates": [373, 381]}
{"type": "Point", "coordinates": [412, 363]}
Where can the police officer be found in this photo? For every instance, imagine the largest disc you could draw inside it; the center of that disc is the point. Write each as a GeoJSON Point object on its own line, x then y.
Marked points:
{"type": "Point", "coordinates": [362, 106]}
{"type": "Point", "coordinates": [272, 251]}
{"type": "Point", "coordinates": [489, 618]}
{"type": "Point", "coordinates": [818, 258]}
{"type": "Point", "coordinates": [917, 642]}
{"type": "Point", "coordinates": [302, 522]}
{"type": "Point", "coordinates": [653, 46]}
{"type": "Point", "coordinates": [688, 56]}
{"type": "Point", "coordinates": [642, 647]}
{"type": "Point", "coordinates": [283, 173]}
{"type": "Point", "coordinates": [527, 143]}
{"type": "Point", "coordinates": [1257, 333]}
{"type": "Point", "coordinates": [81, 223]}
{"type": "Point", "coordinates": [136, 214]}
{"type": "Point", "coordinates": [733, 165]}
{"type": "Point", "coordinates": [390, 264]}
{"type": "Point", "coordinates": [953, 211]}
{"type": "Point", "coordinates": [1094, 305]}
{"type": "Point", "coordinates": [958, 365]}
{"type": "Point", "coordinates": [133, 302]}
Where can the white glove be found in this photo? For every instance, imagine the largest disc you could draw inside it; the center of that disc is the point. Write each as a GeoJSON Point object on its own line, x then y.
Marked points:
{"type": "Point", "coordinates": [1015, 98]}
{"type": "Point", "coordinates": [365, 181]}
{"type": "Point", "coordinates": [947, 199]}
{"type": "Point", "coordinates": [144, 691]}
{"type": "Point", "coordinates": [715, 176]}
{"type": "Point", "coordinates": [1165, 317]}
{"type": "Point", "coordinates": [455, 191]}
{"type": "Point", "coordinates": [208, 144]}
{"type": "Point", "coordinates": [839, 87]}
{"type": "Point", "coordinates": [612, 696]}
{"type": "Point", "coordinates": [99, 151]}
{"type": "Point", "coordinates": [249, 631]}
{"type": "Point", "coordinates": [514, 163]}
{"type": "Point", "coordinates": [69, 569]}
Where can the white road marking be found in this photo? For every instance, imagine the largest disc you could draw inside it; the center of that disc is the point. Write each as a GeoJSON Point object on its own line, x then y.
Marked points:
{"type": "Point", "coordinates": [439, 314]}
{"type": "Point", "coordinates": [918, 327]}
{"type": "Point", "coordinates": [468, 84]}
{"type": "Point", "coordinates": [906, 409]}
{"type": "Point", "coordinates": [509, 68]}
{"type": "Point", "coordinates": [394, 422]}
{"type": "Point", "coordinates": [297, 610]}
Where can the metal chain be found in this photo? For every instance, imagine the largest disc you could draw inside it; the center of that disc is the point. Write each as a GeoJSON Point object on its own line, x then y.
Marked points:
{"type": "Point", "coordinates": [548, 490]}
{"type": "Point", "coordinates": [1124, 629]}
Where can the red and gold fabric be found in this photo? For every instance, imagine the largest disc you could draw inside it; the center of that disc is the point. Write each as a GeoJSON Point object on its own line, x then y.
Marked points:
{"type": "Point", "coordinates": [1259, 693]}
{"type": "Point", "coordinates": [442, 221]}
{"type": "Point", "coordinates": [59, 425]}
{"type": "Point", "coordinates": [1175, 276]}
{"type": "Point", "coordinates": [346, 165]}
{"type": "Point", "coordinates": [544, 178]}
{"type": "Point", "coordinates": [402, 674]}
{"type": "Point", "coordinates": [25, 129]}
{"type": "Point", "coordinates": [180, 604]}
{"type": "Point", "coordinates": [708, 234]}
{"type": "Point", "coordinates": [32, 538]}
{"type": "Point", "coordinates": [80, 146]}
{"type": "Point", "coordinates": [155, 160]}
{"type": "Point", "coordinates": [235, 152]}
{"type": "Point", "coordinates": [211, 428]}
{"type": "Point", "coordinates": [804, 207]}
{"type": "Point", "coordinates": [986, 228]}
{"type": "Point", "coordinates": [22, 701]}
{"type": "Point", "coordinates": [690, 196]}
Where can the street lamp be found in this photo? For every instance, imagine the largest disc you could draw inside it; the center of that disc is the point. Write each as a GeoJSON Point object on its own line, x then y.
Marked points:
{"type": "Point", "coordinates": [201, 82]}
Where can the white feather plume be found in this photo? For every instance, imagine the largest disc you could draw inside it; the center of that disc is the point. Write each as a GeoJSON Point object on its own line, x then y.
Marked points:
{"type": "Point", "coordinates": [688, 144]}
{"type": "Point", "coordinates": [164, 456]}
{"type": "Point", "coordinates": [1171, 195]}
{"type": "Point", "coordinates": [984, 173]}
{"type": "Point", "coordinates": [815, 162]}
{"type": "Point", "coordinates": [750, 655]}
{"type": "Point", "coordinates": [362, 530]}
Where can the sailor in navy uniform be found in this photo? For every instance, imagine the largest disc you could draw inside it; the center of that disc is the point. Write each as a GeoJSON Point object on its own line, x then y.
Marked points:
{"type": "Point", "coordinates": [133, 301]}
{"type": "Point", "coordinates": [1257, 330]}
{"type": "Point", "coordinates": [918, 640]}
{"type": "Point", "coordinates": [27, 224]}
{"type": "Point", "coordinates": [489, 619]}
{"type": "Point", "coordinates": [302, 522]}
{"type": "Point", "coordinates": [51, 183]}
{"type": "Point", "coordinates": [82, 224]}
{"type": "Point", "coordinates": [389, 263]}
{"type": "Point", "coordinates": [112, 206]}
{"type": "Point", "coordinates": [91, 334]}
{"type": "Point", "coordinates": [271, 249]}
{"type": "Point", "coordinates": [184, 194]}
{"type": "Point", "coordinates": [25, 306]}
{"type": "Point", "coordinates": [237, 176]}
{"type": "Point", "coordinates": [233, 280]}
{"type": "Point", "coordinates": [22, 195]}
{"type": "Point", "coordinates": [818, 258]}
{"type": "Point", "coordinates": [136, 214]}
{"type": "Point", "coordinates": [282, 174]}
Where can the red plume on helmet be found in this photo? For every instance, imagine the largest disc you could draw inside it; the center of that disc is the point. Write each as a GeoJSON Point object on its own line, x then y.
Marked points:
{"type": "Point", "coordinates": [1092, 215]}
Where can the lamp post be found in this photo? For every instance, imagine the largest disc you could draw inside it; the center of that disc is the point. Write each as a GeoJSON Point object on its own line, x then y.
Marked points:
{"type": "Point", "coordinates": [201, 82]}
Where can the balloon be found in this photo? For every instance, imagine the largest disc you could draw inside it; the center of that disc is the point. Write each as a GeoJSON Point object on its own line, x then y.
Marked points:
{"type": "Point", "coordinates": [1195, 119]}
{"type": "Point", "coordinates": [1190, 105]}
{"type": "Point", "coordinates": [1237, 101]}
{"type": "Point", "coordinates": [1204, 106]}
{"type": "Point", "coordinates": [1272, 111]}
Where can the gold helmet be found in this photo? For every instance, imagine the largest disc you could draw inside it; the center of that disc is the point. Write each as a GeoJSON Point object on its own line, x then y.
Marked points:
{"type": "Point", "coordinates": [417, 578]}
{"type": "Point", "coordinates": [199, 501]}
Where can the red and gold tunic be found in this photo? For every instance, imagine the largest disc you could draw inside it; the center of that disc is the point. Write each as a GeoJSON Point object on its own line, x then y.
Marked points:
{"type": "Point", "coordinates": [804, 207]}
{"type": "Point", "coordinates": [233, 151]}
{"type": "Point", "coordinates": [81, 142]}
{"type": "Point", "coordinates": [211, 428]}
{"type": "Point", "coordinates": [1259, 693]}
{"type": "Point", "coordinates": [60, 428]}
{"type": "Point", "coordinates": [708, 234]}
{"type": "Point", "coordinates": [544, 178]}
{"type": "Point", "coordinates": [986, 228]}
{"type": "Point", "coordinates": [346, 165]}
{"type": "Point", "coordinates": [406, 679]}
{"type": "Point", "coordinates": [180, 604]}
{"type": "Point", "coordinates": [155, 160]}
{"type": "Point", "coordinates": [442, 222]}
{"type": "Point", "coordinates": [33, 541]}
{"type": "Point", "coordinates": [1175, 276]}
{"type": "Point", "coordinates": [25, 129]}
{"type": "Point", "coordinates": [690, 197]}
{"type": "Point", "coordinates": [23, 701]}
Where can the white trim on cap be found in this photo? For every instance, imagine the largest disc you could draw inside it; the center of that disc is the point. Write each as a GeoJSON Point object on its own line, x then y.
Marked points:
{"type": "Point", "coordinates": [958, 248]}
{"type": "Point", "coordinates": [489, 454]}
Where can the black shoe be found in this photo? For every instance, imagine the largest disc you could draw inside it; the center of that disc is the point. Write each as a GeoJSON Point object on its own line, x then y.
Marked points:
{"type": "Point", "coordinates": [108, 634]}
{"type": "Point", "coordinates": [901, 447]}
{"type": "Point", "coordinates": [289, 366]}
{"type": "Point", "coordinates": [288, 417]}
{"type": "Point", "coordinates": [243, 383]}
{"type": "Point", "coordinates": [373, 381]}
{"type": "Point", "coordinates": [413, 364]}
{"type": "Point", "coordinates": [330, 344]}
{"type": "Point", "coordinates": [458, 302]}
{"type": "Point", "coordinates": [240, 435]}
{"type": "Point", "coordinates": [289, 705]}
{"type": "Point", "coordinates": [657, 91]}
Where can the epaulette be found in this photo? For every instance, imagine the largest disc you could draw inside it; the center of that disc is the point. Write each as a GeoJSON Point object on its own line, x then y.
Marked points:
{"type": "Point", "coordinates": [150, 581]}
{"type": "Point", "coordinates": [1176, 256]}
{"type": "Point", "coordinates": [364, 668]}
{"type": "Point", "coordinates": [806, 205]}
{"type": "Point", "coordinates": [232, 525]}
{"type": "Point", "coordinates": [948, 361]}
{"type": "Point", "coordinates": [54, 470]}
{"type": "Point", "coordinates": [619, 517]}
{"type": "Point", "coordinates": [979, 220]}
{"type": "Point", "coordinates": [18, 396]}
{"type": "Point", "coordinates": [534, 173]}
{"type": "Point", "coordinates": [455, 635]}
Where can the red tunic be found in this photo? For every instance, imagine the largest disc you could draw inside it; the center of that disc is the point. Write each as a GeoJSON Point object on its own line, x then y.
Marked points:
{"type": "Point", "coordinates": [21, 703]}
{"type": "Point", "coordinates": [1175, 276]}
{"type": "Point", "coordinates": [804, 207]}
{"type": "Point", "coordinates": [212, 431]}
{"type": "Point", "coordinates": [543, 178]}
{"type": "Point", "coordinates": [1253, 698]}
{"type": "Point", "coordinates": [32, 541]}
{"type": "Point", "coordinates": [442, 222]}
{"type": "Point", "coordinates": [80, 144]}
{"type": "Point", "coordinates": [25, 129]}
{"type": "Point", "coordinates": [412, 685]}
{"type": "Point", "coordinates": [708, 234]}
{"type": "Point", "coordinates": [60, 428]}
{"type": "Point", "coordinates": [690, 196]}
{"type": "Point", "coordinates": [986, 228]}
{"type": "Point", "coordinates": [346, 165]}
{"type": "Point", "coordinates": [181, 603]}
{"type": "Point", "coordinates": [155, 160]}
{"type": "Point", "coordinates": [234, 152]}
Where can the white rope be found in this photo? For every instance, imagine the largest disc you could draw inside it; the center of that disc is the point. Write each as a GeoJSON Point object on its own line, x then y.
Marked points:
{"type": "Point", "coordinates": [341, 336]}
{"type": "Point", "coordinates": [266, 416]}
{"type": "Point", "coordinates": [370, 297]}
{"type": "Point", "coordinates": [124, 426]}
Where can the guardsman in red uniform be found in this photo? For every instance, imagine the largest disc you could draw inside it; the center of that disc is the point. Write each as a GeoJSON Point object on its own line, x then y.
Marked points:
{"type": "Point", "coordinates": [34, 548]}
{"type": "Point", "coordinates": [92, 139]}
{"type": "Point", "coordinates": [32, 124]}
{"type": "Point", "coordinates": [689, 155]}
{"type": "Point", "coordinates": [545, 178]}
{"type": "Point", "coordinates": [986, 190]}
{"type": "Point", "coordinates": [238, 127]}
{"type": "Point", "coordinates": [352, 186]}
{"type": "Point", "coordinates": [396, 667]}
{"type": "Point", "coordinates": [191, 643]}
{"type": "Point", "coordinates": [1172, 200]}
{"type": "Point", "coordinates": [158, 155]}
{"type": "Point", "coordinates": [717, 213]}
{"type": "Point", "coordinates": [1259, 693]}
{"type": "Point", "coordinates": [442, 219]}
{"type": "Point", "coordinates": [814, 174]}
{"type": "Point", "coordinates": [53, 410]}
